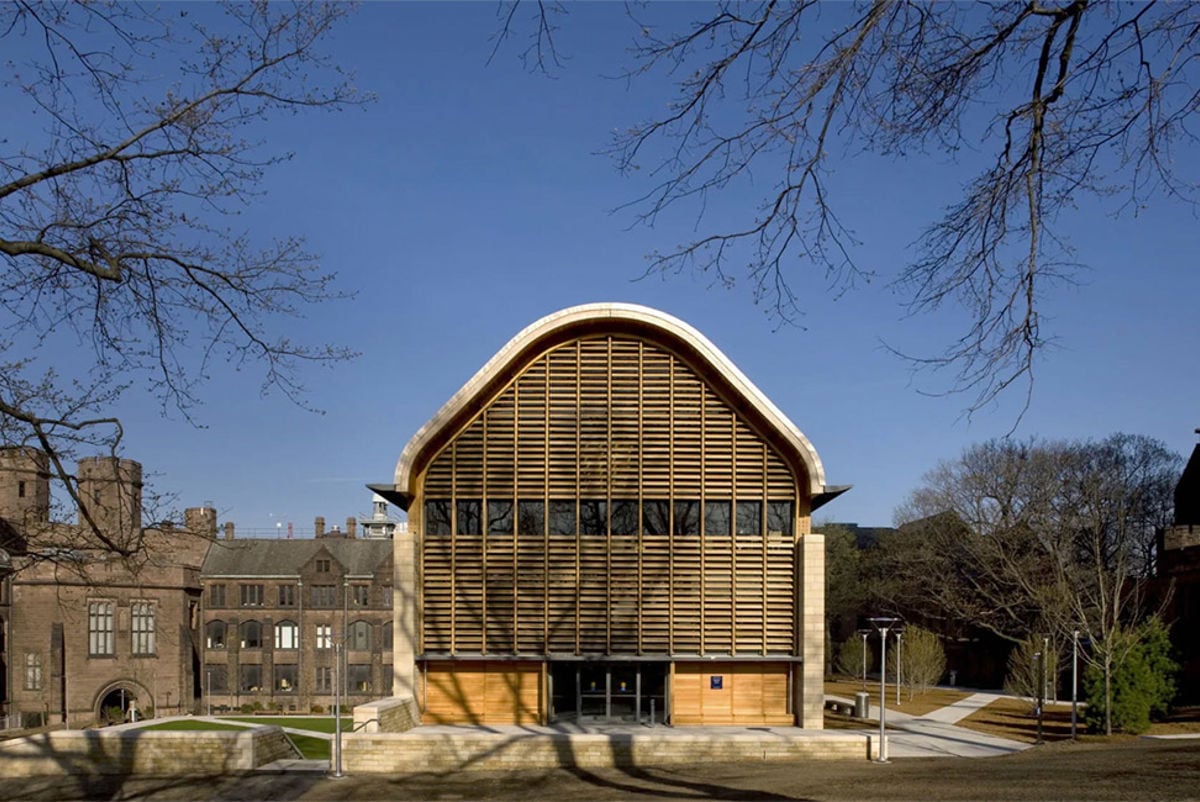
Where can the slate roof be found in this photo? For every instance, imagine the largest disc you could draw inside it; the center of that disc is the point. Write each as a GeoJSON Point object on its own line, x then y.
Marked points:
{"type": "Point", "coordinates": [287, 557]}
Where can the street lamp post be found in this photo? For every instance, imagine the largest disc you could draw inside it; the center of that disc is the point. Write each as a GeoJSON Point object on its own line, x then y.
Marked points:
{"type": "Point", "coordinates": [883, 624]}
{"type": "Point", "coordinates": [208, 691]}
{"type": "Point", "coordinates": [899, 668]}
{"type": "Point", "coordinates": [1074, 680]}
{"type": "Point", "coordinates": [336, 755]}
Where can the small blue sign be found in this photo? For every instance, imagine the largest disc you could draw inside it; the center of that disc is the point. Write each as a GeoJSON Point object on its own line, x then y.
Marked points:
{"type": "Point", "coordinates": [716, 682]}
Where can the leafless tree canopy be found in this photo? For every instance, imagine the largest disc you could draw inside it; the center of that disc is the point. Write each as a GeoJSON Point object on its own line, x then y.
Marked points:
{"type": "Point", "coordinates": [128, 143]}
{"type": "Point", "coordinates": [1046, 102]}
{"type": "Point", "coordinates": [1036, 539]}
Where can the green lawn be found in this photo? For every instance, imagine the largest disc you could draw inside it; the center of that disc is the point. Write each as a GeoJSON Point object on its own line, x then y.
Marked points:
{"type": "Point", "coordinates": [189, 724]}
{"type": "Point", "coordinates": [314, 723]}
{"type": "Point", "coordinates": [312, 748]}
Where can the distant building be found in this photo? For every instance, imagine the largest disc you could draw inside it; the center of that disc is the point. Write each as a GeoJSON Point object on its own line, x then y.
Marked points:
{"type": "Point", "coordinates": [1179, 575]}
{"type": "Point", "coordinates": [380, 526]}
{"type": "Point", "coordinates": [273, 611]}
{"type": "Point", "coordinates": [85, 634]}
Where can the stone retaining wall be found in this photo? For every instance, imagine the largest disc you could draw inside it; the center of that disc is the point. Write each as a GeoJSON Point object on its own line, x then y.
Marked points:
{"type": "Point", "coordinates": [135, 751]}
{"type": "Point", "coordinates": [440, 752]}
{"type": "Point", "coordinates": [398, 714]}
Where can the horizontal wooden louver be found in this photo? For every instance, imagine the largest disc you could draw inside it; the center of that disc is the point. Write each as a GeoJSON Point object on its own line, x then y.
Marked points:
{"type": "Point", "coordinates": [615, 447]}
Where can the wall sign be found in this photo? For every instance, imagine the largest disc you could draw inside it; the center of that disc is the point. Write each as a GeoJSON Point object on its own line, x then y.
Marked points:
{"type": "Point", "coordinates": [716, 682]}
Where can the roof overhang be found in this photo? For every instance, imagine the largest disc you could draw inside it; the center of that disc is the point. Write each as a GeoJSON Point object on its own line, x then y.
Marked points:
{"type": "Point", "coordinates": [596, 319]}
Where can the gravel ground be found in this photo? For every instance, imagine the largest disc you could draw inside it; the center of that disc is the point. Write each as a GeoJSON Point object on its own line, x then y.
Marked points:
{"type": "Point", "coordinates": [1132, 770]}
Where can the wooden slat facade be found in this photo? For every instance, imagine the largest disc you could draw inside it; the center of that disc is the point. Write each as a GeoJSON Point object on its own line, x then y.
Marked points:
{"type": "Point", "coordinates": [608, 501]}
{"type": "Point", "coordinates": [749, 693]}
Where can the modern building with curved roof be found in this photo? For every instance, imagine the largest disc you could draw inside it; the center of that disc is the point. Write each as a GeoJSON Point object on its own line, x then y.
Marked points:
{"type": "Point", "coordinates": [610, 522]}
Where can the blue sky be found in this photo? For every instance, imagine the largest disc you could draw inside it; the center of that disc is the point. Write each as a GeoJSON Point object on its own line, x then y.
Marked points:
{"type": "Point", "coordinates": [469, 200]}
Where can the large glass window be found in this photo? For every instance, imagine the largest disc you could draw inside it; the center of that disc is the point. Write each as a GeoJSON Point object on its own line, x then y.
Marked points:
{"type": "Point", "coordinates": [749, 518]}
{"type": "Point", "coordinates": [358, 678]}
{"type": "Point", "coordinates": [359, 637]}
{"type": "Point", "coordinates": [214, 635]}
{"type": "Point", "coordinates": [324, 636]}
{"type": "Point", "coordinates": [467, 512]}
{"type": "Point", "coordinates": [562, 517]}
{"type": "Point", "coordinates": [624, 517]}
{"type": "Point", "coordinates": [687, 517]}
{"type": "Point", "coordinates": [250, 678]}
{"type": "Point", "coordinates": [324, 595]}
{"type": "Point", "coordinates": [251, 635]}
{"type": "Point", "coordinates": [287, 595]}
{"type": "Point", "coordinates": [437, 516]}
{"type": "Point", "coordinates": [252, 595]}
{"type": "Point", "coordinates": [779, 518]}
{"type": "Point", "coordinates": [216, 596]}
{"type": "Point", "coordinates": [656, 517]}
{"type": "Point", "coordinates": [531, 518]}
{"type": "Point", "coordinates": [716, 519]}
{"type": "Point", "coordinates": [593, 517]}
{"type": "Point", "coordinates": [500, 517]}
{"type": "Point", "coordinates": [33, 672]}
{"type": "Point", "coordinates": [287, 635]}
{"type": "Point", "coordinates": [142, 625]}
{"type": "Point", "coordinates": [360, 595]}
{"type": "Point", "coordinates": [216, 677]}
{"type": "Point", "coordinates": [100, 629]}
{"type": "Point", "coordinates": [324, 679]}
{"type": "Point", "coordinates": [286, 678]}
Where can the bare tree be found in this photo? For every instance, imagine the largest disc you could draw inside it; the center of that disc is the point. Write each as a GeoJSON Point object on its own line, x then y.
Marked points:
{"type": "Point", "coordinates": [922, 660]}
{"type": "Point", "coordinates": [1047, 102]}
{"type": "Point", "coordinates": [115, 233]}
{"type": "Point", "coordinates": [1037, 537]}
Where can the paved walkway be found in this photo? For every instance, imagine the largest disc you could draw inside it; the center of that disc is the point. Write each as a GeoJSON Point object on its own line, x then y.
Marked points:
{"type": "Point", "coordinates": [935, 734]}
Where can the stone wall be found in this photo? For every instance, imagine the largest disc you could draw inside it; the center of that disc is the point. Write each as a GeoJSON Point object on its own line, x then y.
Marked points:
{"type": "Point", "coordinates": [134, 751]}
{"type": "Point", "coordinates": [446, 752]}
{"type": "Point", "coordinates": [387, 715]}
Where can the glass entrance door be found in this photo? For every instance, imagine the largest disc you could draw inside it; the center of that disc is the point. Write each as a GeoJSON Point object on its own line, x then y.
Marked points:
{"type": "Point", "coordinates": [608, 692]}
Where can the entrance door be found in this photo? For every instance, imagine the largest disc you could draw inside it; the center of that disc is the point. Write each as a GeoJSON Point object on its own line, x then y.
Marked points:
{"type": "Point", "coordinates": [608, 692]}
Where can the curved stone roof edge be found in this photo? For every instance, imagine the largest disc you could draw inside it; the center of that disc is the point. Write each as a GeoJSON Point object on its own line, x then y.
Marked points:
{"type": "Point", "coordinates": [624, 311]}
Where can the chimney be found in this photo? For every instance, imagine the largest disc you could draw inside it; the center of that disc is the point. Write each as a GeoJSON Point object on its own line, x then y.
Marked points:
{"type": "Point", "coordinates": [319, 526]}
{"type": "Point", "coordinates": [201, 521]}
{"type": "Point", "coordinates": [229, 530]}
{"type": "Point", "coordinates": [350, 525]}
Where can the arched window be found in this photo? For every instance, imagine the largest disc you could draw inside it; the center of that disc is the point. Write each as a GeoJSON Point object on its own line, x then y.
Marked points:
{"type": "Point", "coordinates": [287, 635]}
{"type": "Point", "coordinates": [359, 637]}
{"type": "Point", "coordinates": [214, 634]}
{"type": "Point", "coordinates": [251, 635]}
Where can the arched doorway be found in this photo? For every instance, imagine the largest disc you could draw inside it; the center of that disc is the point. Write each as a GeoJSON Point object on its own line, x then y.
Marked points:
{"type": "Point", "coordinates": [118, 703]}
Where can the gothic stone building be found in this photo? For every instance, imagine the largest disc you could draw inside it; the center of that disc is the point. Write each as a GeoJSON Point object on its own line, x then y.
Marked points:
{"type": "Point", "coordinates": [275, 609]}
{"type": "Point", "coordinates": [610, 519]}
{"type": "Point", "coordinates": [88, 634]}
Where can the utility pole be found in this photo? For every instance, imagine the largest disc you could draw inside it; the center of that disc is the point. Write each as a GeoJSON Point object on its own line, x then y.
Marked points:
{"type": "Point", "coordinates": [883, 624]}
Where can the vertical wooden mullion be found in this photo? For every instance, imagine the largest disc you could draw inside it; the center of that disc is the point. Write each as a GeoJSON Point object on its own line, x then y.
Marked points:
{"type": "Point", "coordinates": [671, 506]}
{"type": "Point", "coordinates": [546, 508]}
{"type": "Point", "coordinates": [608, 544]}
{"type": "Point", "coordinates": [733, 536]}
{"type": "Point", "coordinates": [453, 547]}
{"type": "Point", "coordinates": [703, 501]}
{"type": "Point", "coordinates": [578, 452]}
{"type": "Point", "coordinates": [516, 545]}
{"type": "Point", "coordinates": [765, 535]}
{"type": "Point", "coordinates": [483, 540]}
{"type": "Point", "coordinates": [641, 455]}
